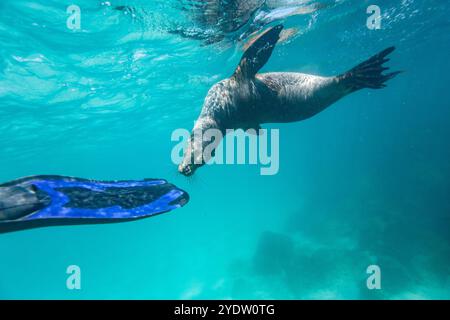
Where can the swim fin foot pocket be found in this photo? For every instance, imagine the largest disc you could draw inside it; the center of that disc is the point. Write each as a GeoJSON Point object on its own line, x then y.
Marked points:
{"type": "Point", "coordinates": [56, 200]}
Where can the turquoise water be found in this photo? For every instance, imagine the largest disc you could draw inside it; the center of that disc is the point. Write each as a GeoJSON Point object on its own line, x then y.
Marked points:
{"type": "Point", "coordinates": [365, 182]}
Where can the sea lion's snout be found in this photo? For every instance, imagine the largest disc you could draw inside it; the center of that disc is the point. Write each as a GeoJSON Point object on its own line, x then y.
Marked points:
{"type": "Point", "coordinates": [188, 166]}
{"type": "Point", "coordinates": [187, 170]}
{"type": "Point", "coordinates": [194, 156]}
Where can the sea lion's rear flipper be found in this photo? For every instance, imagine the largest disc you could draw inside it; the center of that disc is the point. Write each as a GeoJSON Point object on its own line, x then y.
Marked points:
{"type": "Point", "coordinates": [258, 53]}
{"type": "Point", "coordinates": [369, 74]}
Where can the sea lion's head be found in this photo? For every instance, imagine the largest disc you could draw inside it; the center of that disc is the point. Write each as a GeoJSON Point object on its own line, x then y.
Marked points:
{"type": "Point", "coordinates": [192, 158]}
{"type": "Point", "coordinates": [200, 146]}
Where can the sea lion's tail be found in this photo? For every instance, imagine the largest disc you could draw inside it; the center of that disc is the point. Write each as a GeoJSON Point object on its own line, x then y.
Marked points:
{"type": "Point", "coordinates": [369, 74]}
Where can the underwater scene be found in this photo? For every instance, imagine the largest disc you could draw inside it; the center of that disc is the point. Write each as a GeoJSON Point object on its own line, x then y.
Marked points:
{"type": "Point", "coordinates": [346, 197]}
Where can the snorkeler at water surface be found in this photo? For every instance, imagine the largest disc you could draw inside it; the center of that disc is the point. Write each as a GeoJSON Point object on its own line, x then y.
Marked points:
{"type": "Point", "coordinates": [216, 20]}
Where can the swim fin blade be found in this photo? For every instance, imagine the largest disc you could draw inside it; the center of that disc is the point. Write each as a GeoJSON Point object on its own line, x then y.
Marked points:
{"type": "Point", "coordinates": [57, 200]}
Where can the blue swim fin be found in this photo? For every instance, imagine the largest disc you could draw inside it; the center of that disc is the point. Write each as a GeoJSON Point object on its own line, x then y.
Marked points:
{"type": "Point", "coordinates": [58, 200]}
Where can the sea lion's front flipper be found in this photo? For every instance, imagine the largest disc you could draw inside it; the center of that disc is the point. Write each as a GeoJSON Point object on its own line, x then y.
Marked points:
{"type": "Point", "coordinates": [253, 129]}
{"type": "Point", "coordinates": [258, 53]}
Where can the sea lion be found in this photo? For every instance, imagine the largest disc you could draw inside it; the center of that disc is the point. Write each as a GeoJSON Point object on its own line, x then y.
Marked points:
{"type": "Point", "coordinates": [248, 99]}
